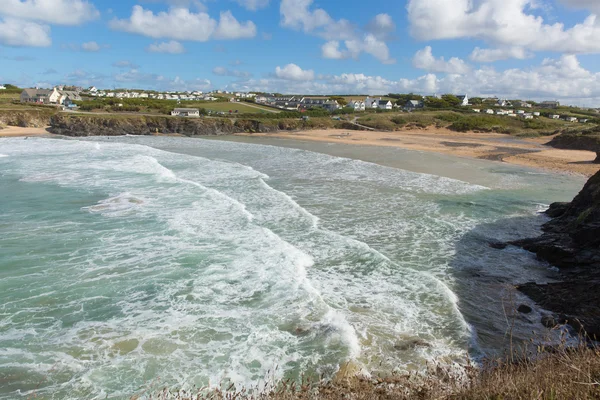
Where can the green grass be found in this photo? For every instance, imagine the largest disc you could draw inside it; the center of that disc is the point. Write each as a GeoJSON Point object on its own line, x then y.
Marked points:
{"type": "Point", "coordinates": [241, 108]}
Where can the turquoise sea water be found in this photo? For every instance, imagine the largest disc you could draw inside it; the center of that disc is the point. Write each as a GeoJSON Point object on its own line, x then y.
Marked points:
{"type": "Point", "coordinates": [132, 263]}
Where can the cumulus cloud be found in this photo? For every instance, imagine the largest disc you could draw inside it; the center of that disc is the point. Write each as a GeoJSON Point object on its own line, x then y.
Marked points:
{"type": "Point", "coordinates": [592, 5]}
{"type": "Point", "coordinates": [381, 26]}
{"type": "Point", "coordinates": [297, 15]}
{"type": "Point", "coordinates": [425, 60]}
{"type": "Point", "coordinates": [491, 55]}
{"type": "Point", "coordinates": [253, 5]}
{"type": "Point", "coordinates": [182, 24]}
{"type": "Point", "coordinates": [293, 72]}
{"type": "Point", "coordinates": [171, 47]}
{"type": "Point", "coordinates": [222, 71]}
{"type": "Point", "coordinates": [89, 47]}
{"type": "Point", "coordinates": [16, 32]}
{"type": "Point", "coordinates": [60, 12]}
{"type": "Point", "coordinates": [503, 23]}
{"type": "Point", "coordinates": [562, 78]}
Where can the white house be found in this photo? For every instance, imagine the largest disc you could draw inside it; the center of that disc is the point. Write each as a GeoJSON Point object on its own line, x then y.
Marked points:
{"type": "Point", "coordinates": [371, 103]}
{"type": "Point", "coordinates": [55, 97]}
{"type": "Point", "coordinates": [464, 100]}
{"type": "Point", "coordinates": [384, 105]}
{"type": "Point", "coordinates": [489, 111]}
{"type": "Point", "coordinates": [357, 105]}
{"type": "Point", "coordinates": [185, 112]}
{"type": "Point", "coordinates": [476, 110]}
{"type": "Point", "coordinates": [554, 116]}
{"type": "Point", "coordinates": [2, 87]}
{"type": "Point", "coordinates": [571, 119]}
{"type": "Point", "coordinates": [527, 116]}
{"type": "Point", "coordinates": [536, 113]}
{"type": "Point", "coordinates": [92, 89]}
{"type": "Point", "coordinates": [414, 104]}
{"type": "Point", "coordinates": [520, 112]}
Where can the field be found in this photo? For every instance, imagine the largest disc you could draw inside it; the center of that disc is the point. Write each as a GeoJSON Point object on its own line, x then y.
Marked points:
{"type": "Point", "coordinates": [241, 108]}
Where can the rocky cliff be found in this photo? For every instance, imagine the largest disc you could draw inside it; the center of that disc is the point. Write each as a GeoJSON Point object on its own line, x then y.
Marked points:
{"type": "Point", "coordinates": [117, 125]}
{"type": "Point", "coordinates": [587, 140]}
{"type": "Point", "coordinates": [33, 118]}
{"type": "Point", "coordinates": [571, 242]}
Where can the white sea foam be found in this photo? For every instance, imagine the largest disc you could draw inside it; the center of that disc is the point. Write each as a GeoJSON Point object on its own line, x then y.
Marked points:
{"type": "Point", "coordinates": [211, 273]}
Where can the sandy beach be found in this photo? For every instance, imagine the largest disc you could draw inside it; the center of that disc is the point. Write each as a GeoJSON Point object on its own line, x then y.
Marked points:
{"type": "Point", "coordinates": [14, 131]}
{"type": "Point", "coordinates": [488, 146]}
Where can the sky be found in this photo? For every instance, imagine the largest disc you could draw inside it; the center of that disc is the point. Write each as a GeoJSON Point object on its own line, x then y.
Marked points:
{"type": "Point", "coordinates": [518, 49]}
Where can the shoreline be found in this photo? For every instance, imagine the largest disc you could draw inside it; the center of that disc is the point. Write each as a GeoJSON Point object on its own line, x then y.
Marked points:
{"type": "Point", "coordinates": [530, 152]}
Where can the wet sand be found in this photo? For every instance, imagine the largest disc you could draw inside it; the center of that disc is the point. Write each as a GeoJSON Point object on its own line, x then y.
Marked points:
{"type": "Point", "coordinates": [487, 146]}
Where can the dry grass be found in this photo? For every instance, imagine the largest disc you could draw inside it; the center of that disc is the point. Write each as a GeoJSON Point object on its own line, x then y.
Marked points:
{"type": "Point", "coordinates": [565, 373]}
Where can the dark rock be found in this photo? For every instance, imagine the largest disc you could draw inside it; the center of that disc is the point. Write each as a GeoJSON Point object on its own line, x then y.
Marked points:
{"type": "Point", "coordinates": [571, 242]}
{"type": "Point", "coordinates": [557, 209]}
{"type": "Point", "coordinates": [498, 245]}
{"type": "Point", "coordinates": [411, 344]}
{"type": "Point", "coordinates": [548, 321]}
{"type": "Point", "coordinates": [523, 309]}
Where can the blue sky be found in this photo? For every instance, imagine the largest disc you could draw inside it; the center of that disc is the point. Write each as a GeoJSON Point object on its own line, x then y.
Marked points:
{"type": "Point", "coordinates": [538, 49]}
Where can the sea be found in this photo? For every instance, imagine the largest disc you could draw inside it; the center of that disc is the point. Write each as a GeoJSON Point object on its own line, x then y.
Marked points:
{"type": "Point", "coordinates": [130, 264]}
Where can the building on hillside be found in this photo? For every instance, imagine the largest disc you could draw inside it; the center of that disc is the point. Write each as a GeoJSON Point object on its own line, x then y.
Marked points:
{"type": "Point", "coordinates": [523, 104]}
{"type": "Point", "coordinates": [554, 116]}
{"type": "Point", "coordinates": [476, 110]}
{"type": "Point", "coordinates": [571, 119]}
{"type": "Point", "coordinates": [527, 116]}
{"type": "Point", "coordinates": [503, 103]}
{"type": "Point", "coordinates": [357, 105]}
{"type": "Point", "coordinates": [464, 100]}
{"type": "Point", "coordinates": [536, 114]}
{"type": "Point", "coordinates": [92, 89]}
{"type": "Point", "coordinates": [185, 112]}
{"type": "Point", "coordinates": [2, 87]}
{"type": "Point", "coordinates": [67, 94]}
{"type": "Point", "coordinates": [36, 96]}
{"type": "Point", "coordinates": [371, 102]}
{"type": "Point", "coordinates": [549, 104]}
{"type": "Point", "coordinates": [583, 120]}
{"type": "Point", "coordinates": [489, 111]}
{"type": "Point", "coordinates": [414, 105]}
{"type": "Point", "coordinates": [385, 104]}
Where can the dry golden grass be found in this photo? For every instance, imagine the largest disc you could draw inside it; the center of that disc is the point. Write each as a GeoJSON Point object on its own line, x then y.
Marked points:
{"type": "Point", "coordinates": [565, 373]}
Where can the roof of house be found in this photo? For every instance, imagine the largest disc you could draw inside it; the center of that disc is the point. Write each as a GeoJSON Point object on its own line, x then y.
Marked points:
{"type": "Point", "coordinates": [37, 92]}
{"type": "Point", "coordinates": [414, 102]}
{"type": "Point", "coordinates": [186, 110]}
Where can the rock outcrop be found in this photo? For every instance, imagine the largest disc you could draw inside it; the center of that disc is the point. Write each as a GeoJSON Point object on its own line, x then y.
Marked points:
{"type": "Point", "coordinates": [588, 140]}
{"type": "Point", "coordinates": [117, 125]}
{"type": "Point", "coordinates": [571, 242]}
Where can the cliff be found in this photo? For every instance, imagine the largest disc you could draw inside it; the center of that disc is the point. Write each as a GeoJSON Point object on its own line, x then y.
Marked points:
{"type": "Point", "coordinates": [117, 125]}
{"type": "Point", "coordinates": [586, 140]}
{"type": "Point", "coordinates": [571, 242]}
{"type": "Point", "coordinates": [32, 118]}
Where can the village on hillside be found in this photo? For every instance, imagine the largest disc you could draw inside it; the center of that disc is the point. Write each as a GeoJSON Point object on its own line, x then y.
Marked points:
{"type": "Point", "coordinates": [190, 103]}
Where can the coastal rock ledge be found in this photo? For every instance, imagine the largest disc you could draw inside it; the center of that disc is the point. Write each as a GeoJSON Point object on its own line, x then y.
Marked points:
{"type": "Point", "coordinates": [571, 242]}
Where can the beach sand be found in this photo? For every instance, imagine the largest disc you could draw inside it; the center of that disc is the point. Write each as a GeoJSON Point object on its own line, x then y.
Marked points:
{"type": "Point", "coordinates": [14, 131]}
{"type": "Point", "coordinates": [488, 146]}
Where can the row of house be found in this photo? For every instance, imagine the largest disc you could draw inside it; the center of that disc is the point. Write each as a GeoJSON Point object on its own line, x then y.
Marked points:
{"type": "Point", "coordinates": [297, 103]}
{"type": "Point", "coordinates": [50, 96]}
{"type": "Point", "coordinates": [569, 118]}
{"type": "Point", "coordinates": [371, 103]}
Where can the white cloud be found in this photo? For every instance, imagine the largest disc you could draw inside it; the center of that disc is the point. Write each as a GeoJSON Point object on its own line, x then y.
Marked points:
{"type": "Point", "coordinates": [425, 60]}
{"type": "Point", "coordinates": [296, 14]}
{"type": "Point", "coordinates": [592, 5]}
{"type": "Point", "coordinates": [230, 28]}
{"type": "Point", "coordinates": [293, 72]}
{"type": "Point", "coordinates": [253, 5]}
{"type": "Point", "coordinates": [171, 47]}
{"type": "Point", "coordinates": [381, 26]}
{"type": "Point", "coordinates": [90, 47]}
{"type": "Point", "coordinates": [503, 23]}
{"type": "Point", "coordinates": [15, 32]}
{"type": "Point", "coordinates": [182, 24]}
{"type": "Point", "coordinates": [60, 12]}
{"type": "Point", "coordinates": [222, 71]}
{"type": "Point", "coordinates": [563, 79]}
{"type": "Point", "coordinates": [491, 55]}
{"type": "Point", "coordinates": [354, 48]}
